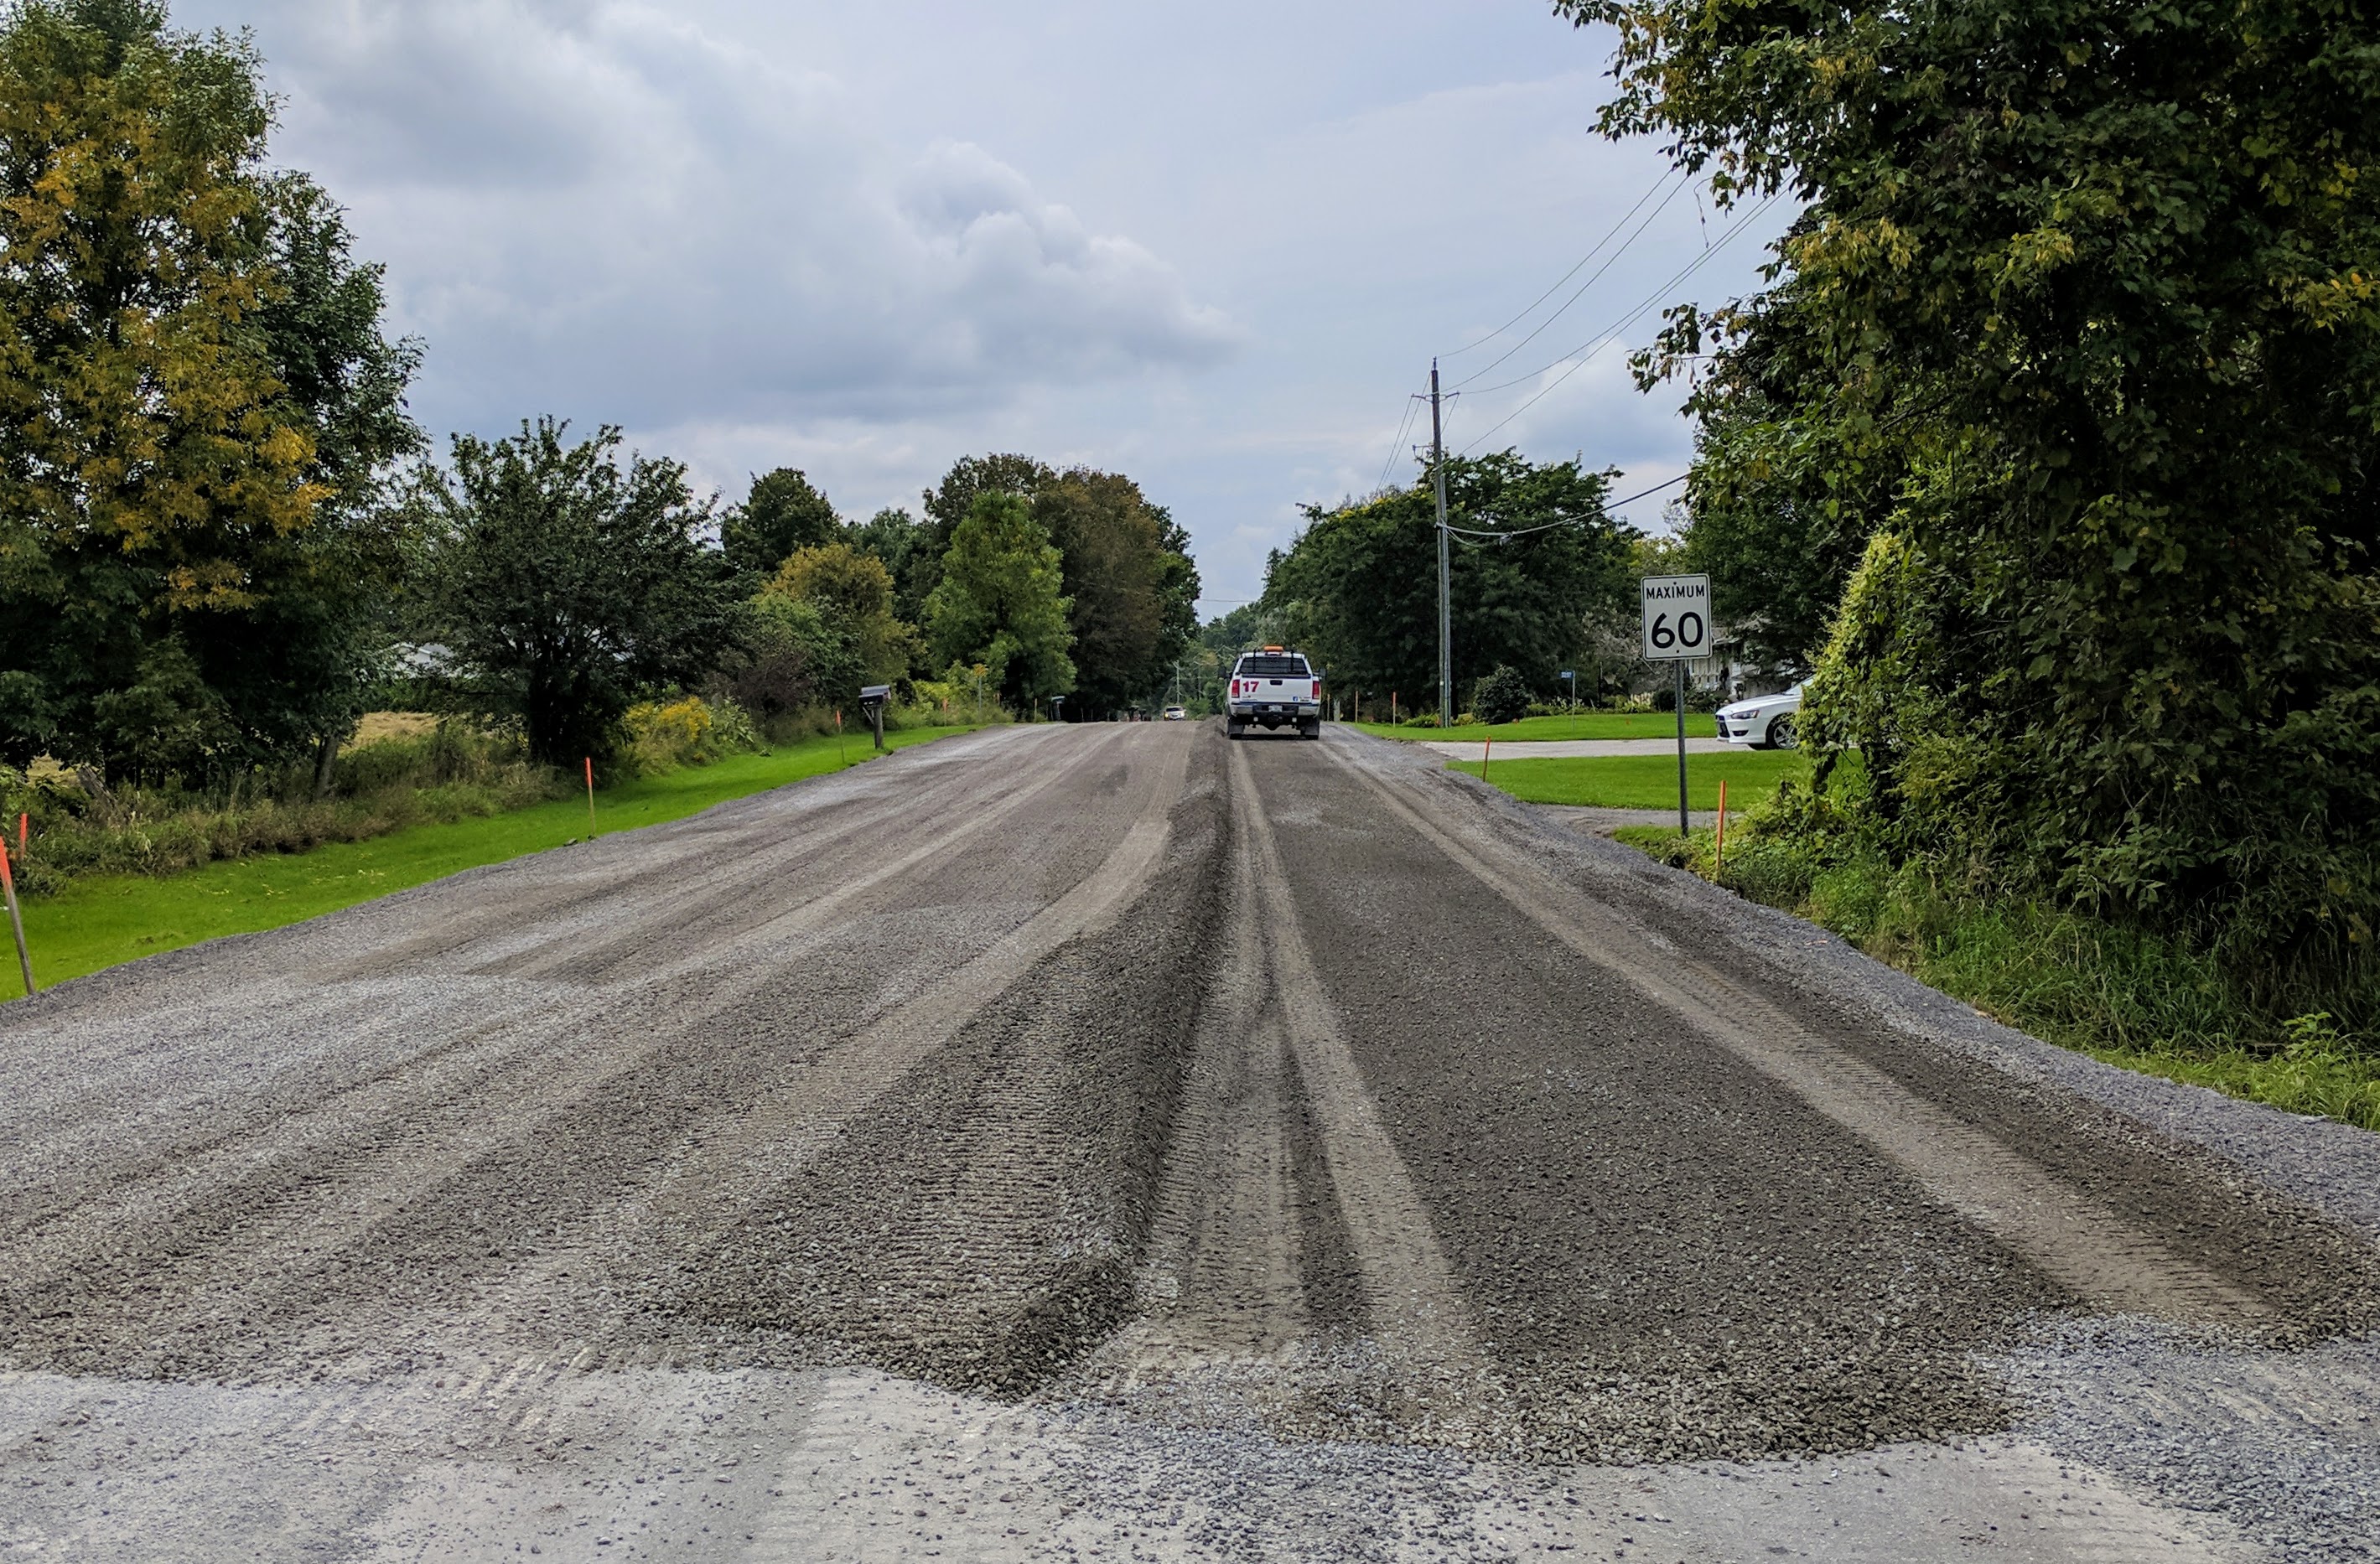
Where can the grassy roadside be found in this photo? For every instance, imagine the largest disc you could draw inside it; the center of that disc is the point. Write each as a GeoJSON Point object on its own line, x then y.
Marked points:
{"type": "Point", "coordinates": [1642, 781]}
{"type": "Point", "coordinates": [2122, 997]}
{"type": "Point", "coordinates": [101, 921]}
{"type": "Point", "coordinates": [1538, 730]}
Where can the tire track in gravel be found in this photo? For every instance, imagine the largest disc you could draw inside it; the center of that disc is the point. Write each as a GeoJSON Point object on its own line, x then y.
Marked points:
{"type": "Point", "coordinates": [709, 854]}
{"type": "Point", "coordinates": [724, 875]}
{"type": "Point", "coordinates": [779, 1135]}
{"type": "Point", "coordinates": [970, 1212]}
{"type": "Point", "coordinates": [1413, 1298]}
{"type": "Point", "coordinates": [1219, 1292]}
{"type": "Point", "coordinates": [2078, 1242]}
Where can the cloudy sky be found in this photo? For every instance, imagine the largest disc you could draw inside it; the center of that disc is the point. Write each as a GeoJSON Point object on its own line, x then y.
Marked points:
{"type": "Point", "coordinates": [1213, 247]}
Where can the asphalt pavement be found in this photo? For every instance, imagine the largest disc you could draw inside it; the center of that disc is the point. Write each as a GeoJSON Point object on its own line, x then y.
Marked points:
{"type": "Point", "coordinates": [1119, 1142]}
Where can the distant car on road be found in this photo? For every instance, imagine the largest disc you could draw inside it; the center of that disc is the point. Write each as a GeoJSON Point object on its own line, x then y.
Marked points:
{"type": "Point", "coordinates": [1276, 688]}
{"type": "Point", "coordinates": [1175, 713]}
{"type": "Point", "coordinates": [1764, 721]}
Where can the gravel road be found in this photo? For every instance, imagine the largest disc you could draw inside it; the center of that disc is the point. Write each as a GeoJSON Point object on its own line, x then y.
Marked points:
{"type": "Point", "coordinates": [1122, 1143]}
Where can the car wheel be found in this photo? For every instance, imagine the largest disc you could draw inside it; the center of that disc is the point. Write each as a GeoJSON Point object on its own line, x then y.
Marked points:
{"type": "Point", "coordinates": [1781, 734]}
{"type": "Point", "coordinates": [1312, 730]}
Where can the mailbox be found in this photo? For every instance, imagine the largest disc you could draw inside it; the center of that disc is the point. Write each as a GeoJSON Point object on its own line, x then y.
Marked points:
{"type": "Point", "coordinates": [871, 705]}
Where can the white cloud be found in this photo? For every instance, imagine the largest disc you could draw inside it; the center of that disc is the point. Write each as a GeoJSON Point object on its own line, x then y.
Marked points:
{"type": "Point", "coordinates": [585, 199]}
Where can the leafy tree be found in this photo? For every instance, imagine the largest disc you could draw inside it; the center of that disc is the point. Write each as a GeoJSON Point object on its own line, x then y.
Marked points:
{"type": "Point", "coordinates": [998, 603]}
{"type": "Point", "coordinates": [1779, 505]}
{"type": "Point", "coordinates": [2099, 278]}
{"type": "Point", "coordinates": [1112, 546]}
{"type": "Point", "coordinates": [562, 588]}
{"type": "Point", "coordinates": [853, 592]}
{"type": "Point", "coordinates": [301, 664]}
{"type": "Point", "coordinates": [948, 503]}
{"type": "Point", "coordinates": [782, 512]}
{"type": "Point", "coordinates": [894, 537]}
{"type": "Point", "coordinates": [1359, 588]}
{"type": "Point", "coordinates": [158, 448]}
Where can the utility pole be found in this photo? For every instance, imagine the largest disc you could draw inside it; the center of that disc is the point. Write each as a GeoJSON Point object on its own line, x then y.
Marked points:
{"type": "Point", "coordinates": [1445, 614]}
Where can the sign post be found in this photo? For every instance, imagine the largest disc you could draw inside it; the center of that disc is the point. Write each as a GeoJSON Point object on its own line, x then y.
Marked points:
{"type": "Point", "coordinates": [1677, 630]}
{"type": "Point", "coordinates": [1570, 677]}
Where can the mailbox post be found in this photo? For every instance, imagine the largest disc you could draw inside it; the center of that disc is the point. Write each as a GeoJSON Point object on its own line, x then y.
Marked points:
{"type": "Point", "coordinates": [871, 705]}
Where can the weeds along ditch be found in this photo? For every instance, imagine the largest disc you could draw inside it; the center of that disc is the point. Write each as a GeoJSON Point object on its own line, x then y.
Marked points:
{"type": "Point", "coordinates": [2124, 994]}
{"type": "Point", "coordinates": [78, 824]}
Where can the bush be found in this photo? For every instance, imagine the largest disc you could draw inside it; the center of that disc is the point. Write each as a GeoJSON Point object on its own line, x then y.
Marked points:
{"type": "Point", "coordinates": [1501, 697]}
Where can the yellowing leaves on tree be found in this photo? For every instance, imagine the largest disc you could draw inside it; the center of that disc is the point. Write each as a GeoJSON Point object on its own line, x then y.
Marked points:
{"type": "Point", "coordinates": [137, 404]}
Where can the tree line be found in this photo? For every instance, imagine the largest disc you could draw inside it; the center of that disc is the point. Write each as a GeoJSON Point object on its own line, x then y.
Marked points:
{"type": "Point", "coordinates": [223, 537]}
{"type": "Point", "coordinates": [1539, 580]}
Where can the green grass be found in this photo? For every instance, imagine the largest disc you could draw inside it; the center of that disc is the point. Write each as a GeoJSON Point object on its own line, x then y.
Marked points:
{"type": "Point", "coordinates": [1642, 781]}
{"type": "Point", "coordinates": [1591, 724]}
{"type": "Point", "coordinates": [2124, 996]}
{"type": "Point", "coordinates": [101, 921]}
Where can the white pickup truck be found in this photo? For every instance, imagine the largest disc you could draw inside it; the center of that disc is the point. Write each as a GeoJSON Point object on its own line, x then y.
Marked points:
{"type": "Point", "coordinates": [1276, 688]}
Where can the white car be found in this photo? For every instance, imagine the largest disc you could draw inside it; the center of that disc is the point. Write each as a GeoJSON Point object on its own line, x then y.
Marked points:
{"type": "Point", "coordinates": [1176, 714]}
{"type": "Point", "coordinates": [1764, 721]}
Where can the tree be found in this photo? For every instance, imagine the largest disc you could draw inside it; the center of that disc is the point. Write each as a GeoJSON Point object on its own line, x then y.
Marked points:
{"type": "Point", "coordinates": [2099, 278]}
{"type": "Point", "coordinates": [1358, 588]}
{"type": "Point", "coordinates": [999, 603]}
{"type": "Point", "coordinates": [298, 667]}
{"type": "Point", "coordinates": [151, 450]}
{"type": "Point", "coordinates": [894, 538]}
{"type": "Point", "coordinates": [561, 589]}
{"type": "Point", "coordinates": [852, 593]}
{"type": "Point", "coordinates": [948, 503]}
{"type": "Point", "coordinates": [781, 514]}
{"type": "Point", "coordinates": [1122, 579]}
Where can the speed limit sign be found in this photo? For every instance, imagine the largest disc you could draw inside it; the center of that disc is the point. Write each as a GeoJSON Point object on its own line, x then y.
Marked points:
{"type": "Point", "coordinates": [1676, 617]}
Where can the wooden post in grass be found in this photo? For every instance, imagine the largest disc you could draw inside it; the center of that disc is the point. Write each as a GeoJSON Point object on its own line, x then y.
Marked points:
{"type": "Point", "coordinates": [1486, 748]}
{"type": "Point", "coordinates": [16, 920]}
{"type": "Point", "coordinates": [839, 752]}
{"type": "Point", "coordinates": [590, 799]}
{"type": "Point", "coordinates": [1719, 849]}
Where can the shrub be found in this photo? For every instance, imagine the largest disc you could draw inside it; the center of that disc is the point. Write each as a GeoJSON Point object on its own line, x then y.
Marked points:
{"type": "Point", "coordinates": [686, 732]}
{"type": "Point", "coordinates": [1501, 697]}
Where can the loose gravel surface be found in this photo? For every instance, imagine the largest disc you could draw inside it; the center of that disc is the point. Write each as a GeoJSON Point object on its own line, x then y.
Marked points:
{"type": "Point", "coordinates": [1121, 1142]}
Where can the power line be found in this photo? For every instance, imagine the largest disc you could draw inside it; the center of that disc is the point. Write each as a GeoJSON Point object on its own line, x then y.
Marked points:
{"type": "Point", "coordinates": [1412, 405]}
{"type": "Point", "coordinates": [1483, 534]}
{"type": "Point", "coordinates": [1613, 260]}
{"type": "Point", "coordinates": [1597, 341]}
{"type": "Point", "coordinates": [1592, 252]}
{"type": "Point", "coordinates": [1648, 302]}
{"type": "Point", "coordinates": [1665, 483]}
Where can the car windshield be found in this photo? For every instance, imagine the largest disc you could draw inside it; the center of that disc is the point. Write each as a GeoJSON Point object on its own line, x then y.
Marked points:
{"type": "Point", "coordinates": [1262, 667]}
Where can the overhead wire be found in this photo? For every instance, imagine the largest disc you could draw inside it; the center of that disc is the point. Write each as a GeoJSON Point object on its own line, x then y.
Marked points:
{"type": "Point", "coordinates": [1610, 261]}
{"type": "Point", "coordinates": [1410, 404]}
{"type": "Point", "coordinates": [1597, 341]}
{"type": "Point", "coordinates": [1501, 534]}
{"type": "Point", "coordinates": [1651, 191]}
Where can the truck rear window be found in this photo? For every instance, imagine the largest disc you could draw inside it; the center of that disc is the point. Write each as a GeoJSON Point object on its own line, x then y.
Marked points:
{"type": "Point", "coordinates": [1273, 668]}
